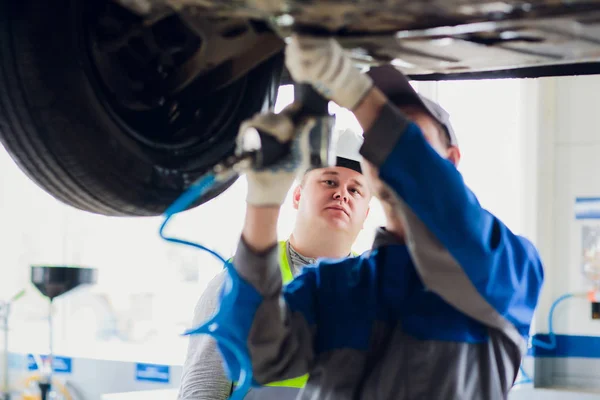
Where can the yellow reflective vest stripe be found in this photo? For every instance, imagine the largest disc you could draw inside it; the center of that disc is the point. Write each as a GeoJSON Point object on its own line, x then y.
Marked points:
{"type": "Point", "coordinates": [286, 277]}
{"type": "Point", "coordinates": [284, 263]}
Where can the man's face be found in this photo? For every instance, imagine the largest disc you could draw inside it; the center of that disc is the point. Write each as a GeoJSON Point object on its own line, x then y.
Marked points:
{"type": "Point", "coordinates": [333, 198]}
{"type": "Point", "coordinates": [431, 132]}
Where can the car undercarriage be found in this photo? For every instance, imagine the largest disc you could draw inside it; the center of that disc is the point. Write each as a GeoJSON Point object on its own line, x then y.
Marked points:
{"type": "Point", "coordinates": [426, 39]}
{"type": "Point", "coordinates": [117, 106]}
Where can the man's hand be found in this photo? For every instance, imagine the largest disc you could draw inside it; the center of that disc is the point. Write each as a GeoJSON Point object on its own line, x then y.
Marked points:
{"type": "Point", "coordinates": [322, 63]}
{"type": "Point", "coordinates": [269, 186]}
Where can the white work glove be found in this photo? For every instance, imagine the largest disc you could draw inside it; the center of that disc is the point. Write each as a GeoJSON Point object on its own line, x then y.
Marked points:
{"type": "Point", "coordinates": [322, 63]}
{"type": "Point", "coordinates": [269, 186]}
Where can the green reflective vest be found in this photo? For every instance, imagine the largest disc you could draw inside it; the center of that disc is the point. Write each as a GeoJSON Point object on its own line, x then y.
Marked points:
{"type": "Point", "coordinates": [287, 276]}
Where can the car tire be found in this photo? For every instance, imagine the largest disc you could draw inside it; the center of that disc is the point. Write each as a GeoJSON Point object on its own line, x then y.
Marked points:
{"type": "Point", "coordinates": [60, 128]}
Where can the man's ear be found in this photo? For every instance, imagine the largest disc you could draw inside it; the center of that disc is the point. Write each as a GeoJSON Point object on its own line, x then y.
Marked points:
{"type": "Point", "coordinates": [297, 195]}
{"type": "Point", "coordinates": [363, 224]}
{"type": "Point", "coordinates": [453, 155]}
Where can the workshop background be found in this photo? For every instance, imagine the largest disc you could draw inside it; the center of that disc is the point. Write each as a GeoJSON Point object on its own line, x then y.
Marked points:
{"type": "Point", "coordinates": [529, 152]}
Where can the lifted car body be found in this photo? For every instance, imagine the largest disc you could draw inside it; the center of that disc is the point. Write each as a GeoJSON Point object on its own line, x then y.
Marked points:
{"type": "Point", "coordinates": [117, 106]}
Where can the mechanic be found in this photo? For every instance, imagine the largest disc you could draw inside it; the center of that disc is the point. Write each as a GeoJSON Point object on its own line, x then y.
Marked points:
{"type": "Point", "coordinates": [332, 205]}
{"type": "Point", "coordinates": [440, 308]}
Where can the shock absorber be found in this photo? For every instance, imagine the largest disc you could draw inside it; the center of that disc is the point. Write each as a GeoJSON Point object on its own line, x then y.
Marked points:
{"type": "Point", "coordinates": [310, 111]}
{"type": "Point", "coordinates": [313, 105]}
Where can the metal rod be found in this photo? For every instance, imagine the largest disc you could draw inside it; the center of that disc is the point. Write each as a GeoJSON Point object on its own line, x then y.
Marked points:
{"type": "Point", "coordinates": [51, 347]}
{"type": "Point", "coordinates": [312, 102]}
{"type": "Point", "coordinates": [4, 310]}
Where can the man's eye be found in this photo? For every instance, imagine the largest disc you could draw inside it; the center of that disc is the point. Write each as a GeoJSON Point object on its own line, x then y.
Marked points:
{"type": "Point", "coordinates": [355, 191]}
{"type": "Point", "coordinates": [329, 182]}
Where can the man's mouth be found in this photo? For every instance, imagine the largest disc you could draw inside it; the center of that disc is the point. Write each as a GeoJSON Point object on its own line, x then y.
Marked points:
{"type": "Point", "coordinates": [339, 208]}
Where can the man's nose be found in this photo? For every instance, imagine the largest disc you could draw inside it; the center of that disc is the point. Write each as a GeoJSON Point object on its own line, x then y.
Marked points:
{"type": "Point", "coordinates": [341, 194]}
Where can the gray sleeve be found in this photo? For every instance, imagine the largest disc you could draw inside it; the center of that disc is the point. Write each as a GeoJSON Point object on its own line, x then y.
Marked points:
{"type": "Point", "coordinates": [203, 376]}
{"type": "Point", "coordinates": [439, 270]}
{"type": "Point", "coordinates": [280, 339]}
{"type": "Point", "coordinates": [441, 273]}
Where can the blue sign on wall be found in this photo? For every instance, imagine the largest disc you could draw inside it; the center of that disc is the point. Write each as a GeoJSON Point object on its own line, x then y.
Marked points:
{"type": "Point", "coordinates": [587, 208]}
{"type": "Point", "coordinates": [59, 364]}
{"type": "Point", "coordinates": [152, 373]}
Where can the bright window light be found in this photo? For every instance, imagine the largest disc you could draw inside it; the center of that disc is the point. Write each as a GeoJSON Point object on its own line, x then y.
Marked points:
{"type": "Point", "coordinates": [148, 288]}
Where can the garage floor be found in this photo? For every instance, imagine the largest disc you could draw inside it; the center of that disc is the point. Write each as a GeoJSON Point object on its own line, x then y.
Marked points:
{"type": "Point", "coordinates": [529, 393]}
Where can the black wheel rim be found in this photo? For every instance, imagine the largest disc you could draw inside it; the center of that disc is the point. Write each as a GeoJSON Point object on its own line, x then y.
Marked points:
{"type": "Point", "coordinates": [131, 64]}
